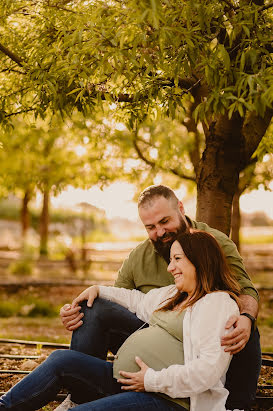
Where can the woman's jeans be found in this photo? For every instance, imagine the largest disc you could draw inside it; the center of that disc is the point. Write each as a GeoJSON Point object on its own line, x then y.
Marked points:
{"type": "Point", "coordinates": [107, 325]}
{"type": "Point", "coordinates": [86, 377]}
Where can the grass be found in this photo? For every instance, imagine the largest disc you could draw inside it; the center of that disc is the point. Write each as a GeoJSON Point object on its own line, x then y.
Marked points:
{"type": "Point", "coordinates": [28, 307]}
{"type": "Point", "coordinates": [23, 267]}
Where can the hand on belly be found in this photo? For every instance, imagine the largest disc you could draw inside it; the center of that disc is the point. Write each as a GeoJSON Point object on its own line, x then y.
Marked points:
{"type": "Point", "coordinates": [134, 381]}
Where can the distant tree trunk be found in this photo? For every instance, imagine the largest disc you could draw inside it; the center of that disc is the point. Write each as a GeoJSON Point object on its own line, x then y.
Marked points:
{"type": "Point", "coordinates": [44, 222]}
{"type": "Point", "coordinates": [25, 215]}
{"type": "Point", "coordinates": [236, 219]}
{"type": "Point", "coordinates": [245, 180]}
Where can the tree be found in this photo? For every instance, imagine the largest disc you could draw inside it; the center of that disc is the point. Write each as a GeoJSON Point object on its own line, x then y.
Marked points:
{"type": "Point", "coordinates": [48, 156]}
{"type": "Point", "coordinates": [18, 165]}
{"type": "Point", "coordinates": [257, 174]}
{"type": "Point", "coordinates": [210, 58]}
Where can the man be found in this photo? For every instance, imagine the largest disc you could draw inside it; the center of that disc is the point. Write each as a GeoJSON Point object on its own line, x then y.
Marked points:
{"type": "Point", "coordinates": [107, 325]}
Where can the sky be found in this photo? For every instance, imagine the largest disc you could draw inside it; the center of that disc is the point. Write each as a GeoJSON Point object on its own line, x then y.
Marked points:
{"type": "Point", "coordinates": [117, 200]}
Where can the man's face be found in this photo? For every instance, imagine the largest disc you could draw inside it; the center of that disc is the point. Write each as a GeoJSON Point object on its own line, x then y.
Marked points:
{"type": "Point", "coordinates": [163, 219]}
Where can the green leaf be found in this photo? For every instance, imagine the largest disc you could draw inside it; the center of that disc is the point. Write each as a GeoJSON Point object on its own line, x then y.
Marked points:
{"type": "Point", "coordinates": [242, 61]}
{"type": "Point", "coordinates": [241, 110]}
{"type": "Point", "coordinates": [224, 55]}
{"type": "Point", "coordinates": [246, 30]}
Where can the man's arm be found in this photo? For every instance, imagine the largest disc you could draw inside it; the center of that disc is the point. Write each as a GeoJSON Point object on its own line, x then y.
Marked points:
{"type": "Point", "coordinates": [249, 305]}
{"type": "Point", "coordinates": [125, 275]}
{"type": "Point", "coordinates": [236, 340]}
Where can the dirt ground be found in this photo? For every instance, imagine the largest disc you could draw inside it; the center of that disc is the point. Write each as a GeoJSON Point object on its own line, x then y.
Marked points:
{"type": "Point", "coordinates": [51, 329]}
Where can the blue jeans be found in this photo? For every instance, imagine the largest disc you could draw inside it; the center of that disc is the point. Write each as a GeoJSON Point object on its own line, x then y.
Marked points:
{"type": "Point", "coordinates": [84, 376]}
{"type": "Point", "coordinates": [243, 373]}
{"type": "Point", "coordinates": [107, 325]}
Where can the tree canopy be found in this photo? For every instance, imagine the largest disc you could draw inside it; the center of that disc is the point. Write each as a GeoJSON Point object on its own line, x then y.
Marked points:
{"type": "Point", "coordinates": [209, 60]}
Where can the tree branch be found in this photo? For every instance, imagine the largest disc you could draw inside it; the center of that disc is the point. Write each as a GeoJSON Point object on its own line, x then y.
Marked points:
{"type": "Point", "coordinates": [253, 130]}
{"type": "Point", "coordinates": [187, 85]}
{"type": "Point", "coordinates": [153, 164]}
{"type": "Point", "coordinates": [63, 8]}
{"type": "Point", "coordinates": [265, 7]}
{"type": "Point", "coordinates": [9, 70]}
{"type": "Point", "coordinates": [11, 55]}
{"type": "Point", "coordinates": [19, 112]}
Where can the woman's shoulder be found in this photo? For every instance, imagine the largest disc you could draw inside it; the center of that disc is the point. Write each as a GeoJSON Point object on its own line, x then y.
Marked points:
{"type": "Point", "coordinates": [168, 290]}
{"type": "Point", "coordinates": [218, 303]}
{"type": "Point", "coordinates": [218, 297]}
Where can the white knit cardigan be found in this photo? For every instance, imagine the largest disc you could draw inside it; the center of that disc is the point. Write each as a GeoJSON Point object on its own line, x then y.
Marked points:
{"type": "Point", "coordinates": [202, 377]}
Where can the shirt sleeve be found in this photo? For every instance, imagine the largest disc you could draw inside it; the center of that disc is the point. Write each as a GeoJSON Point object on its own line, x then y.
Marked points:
{"type": "Point", "coordinates": [233, 257]}
{"type": "Point", "coordinates": [143, 305]}
{"type": "Point", "coordinates": [125, 275]}
{"type": "Point", "coordinates": [209, 361]}
{"type": "Point", "coordinates": [235, 263]}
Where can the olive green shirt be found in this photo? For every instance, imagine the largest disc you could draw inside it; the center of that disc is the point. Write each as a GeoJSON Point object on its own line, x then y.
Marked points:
{"type": "Point", "coordinates": [145, 269]}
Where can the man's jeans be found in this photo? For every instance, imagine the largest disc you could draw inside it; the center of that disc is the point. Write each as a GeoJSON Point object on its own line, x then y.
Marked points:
{"type": "Point", "coordinates": [107, 325]}
{"type": "Point", "coordinates": [84, 376]}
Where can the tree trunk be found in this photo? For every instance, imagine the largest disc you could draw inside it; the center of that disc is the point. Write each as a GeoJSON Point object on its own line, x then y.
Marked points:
{"type": "Point", "coordinates": [236, 219]}
{"type": "Point", "coordinates": [230, 144]}
{"type": "Point", "coordinates": [44, 222]}
{"type": "Point", "coordinates": [218, 175]}
{"type": "Point", "coordinates": [25, 215]}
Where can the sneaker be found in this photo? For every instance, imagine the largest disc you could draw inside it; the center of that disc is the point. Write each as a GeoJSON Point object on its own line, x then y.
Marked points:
{"type": "Point", "coordinates": [66, 404]}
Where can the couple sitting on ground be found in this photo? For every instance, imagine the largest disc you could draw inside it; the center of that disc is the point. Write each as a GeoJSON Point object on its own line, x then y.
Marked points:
{"type": "Point", "coordinates": [180, 361]}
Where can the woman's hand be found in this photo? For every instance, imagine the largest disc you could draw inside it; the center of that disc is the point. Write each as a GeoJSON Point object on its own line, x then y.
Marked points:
{"type": "Point", "coordinates": [90, 294]}
{"type": "Point", "coordinates": [134, 381]}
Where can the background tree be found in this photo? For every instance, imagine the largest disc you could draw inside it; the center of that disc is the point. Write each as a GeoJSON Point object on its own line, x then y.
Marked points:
{"type": "Point", "coordinates": [18, 168]}
{"type": "Point", "coordinates": [49, 156]}
{"type": "Point", "coordinates": [258, 174]}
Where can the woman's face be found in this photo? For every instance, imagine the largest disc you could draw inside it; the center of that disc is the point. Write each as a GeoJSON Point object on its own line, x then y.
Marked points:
{"type": "Point", "coordinates": [182, 269]}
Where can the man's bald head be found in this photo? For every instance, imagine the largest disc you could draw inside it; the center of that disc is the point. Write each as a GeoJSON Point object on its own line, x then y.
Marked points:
{"type": "Point", "coordinates": [150, 193]}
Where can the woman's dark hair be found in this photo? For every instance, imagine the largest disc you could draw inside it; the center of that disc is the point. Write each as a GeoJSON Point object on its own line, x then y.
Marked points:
{"type": "Point", "coordinates": [212, 270]}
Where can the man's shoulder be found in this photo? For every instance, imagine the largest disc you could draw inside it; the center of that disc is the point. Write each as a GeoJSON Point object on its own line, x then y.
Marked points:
{"type": "Point", "coordinates": [219, 235]}
{"type": "Point", "coordinates": [228, 246]}
{"type": "Point", "coordinates": [143, 247]}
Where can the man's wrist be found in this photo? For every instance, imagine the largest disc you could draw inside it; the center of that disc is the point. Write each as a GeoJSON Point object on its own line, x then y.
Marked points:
{"type": "Point", "coordinates": [252, 319]}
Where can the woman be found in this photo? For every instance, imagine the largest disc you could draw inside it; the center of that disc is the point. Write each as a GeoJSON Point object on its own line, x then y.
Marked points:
{"type": "Point", "coordinates": [176, 363]}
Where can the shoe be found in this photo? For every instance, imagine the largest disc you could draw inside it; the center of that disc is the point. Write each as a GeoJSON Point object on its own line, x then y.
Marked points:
{"type": "Point", "coordinates": [66, 404]}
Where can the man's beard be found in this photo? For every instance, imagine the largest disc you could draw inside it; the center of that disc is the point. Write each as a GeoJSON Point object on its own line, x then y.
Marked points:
{"type": "Point", "coordinates": [163, 248]}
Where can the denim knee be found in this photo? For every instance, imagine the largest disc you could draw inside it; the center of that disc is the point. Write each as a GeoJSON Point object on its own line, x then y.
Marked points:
{"type": "Point", "coordinates": [58, 358]}
{"type": "Point", "coordinates": [95, 312]}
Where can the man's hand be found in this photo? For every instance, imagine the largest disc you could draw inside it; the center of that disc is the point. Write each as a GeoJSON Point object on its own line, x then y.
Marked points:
{"type": "Point", "coordinates": [71, 317]}
{"type": "Point", "coordinates": [134, 381]}
{"type": "Point", "coordinates": [70, 314]}
{"type": "Point", "coordinates": [236, 340]}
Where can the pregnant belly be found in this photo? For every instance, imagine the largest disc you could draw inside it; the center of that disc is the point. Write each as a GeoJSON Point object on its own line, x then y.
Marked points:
{"type": "Point", "coordinates": [154, 345]}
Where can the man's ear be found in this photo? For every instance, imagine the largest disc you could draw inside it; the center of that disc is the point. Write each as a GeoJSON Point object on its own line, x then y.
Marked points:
{"type": "Point", "coordinates": [181, 207]}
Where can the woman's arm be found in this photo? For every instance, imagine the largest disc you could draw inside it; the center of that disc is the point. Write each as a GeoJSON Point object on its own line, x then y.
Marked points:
{"type": "Point", "coordinates": [209, 361]}
{"type": "Point", "coordinates": [143, 305]}
{"type": "Point", "coordinates": [135, 301]}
